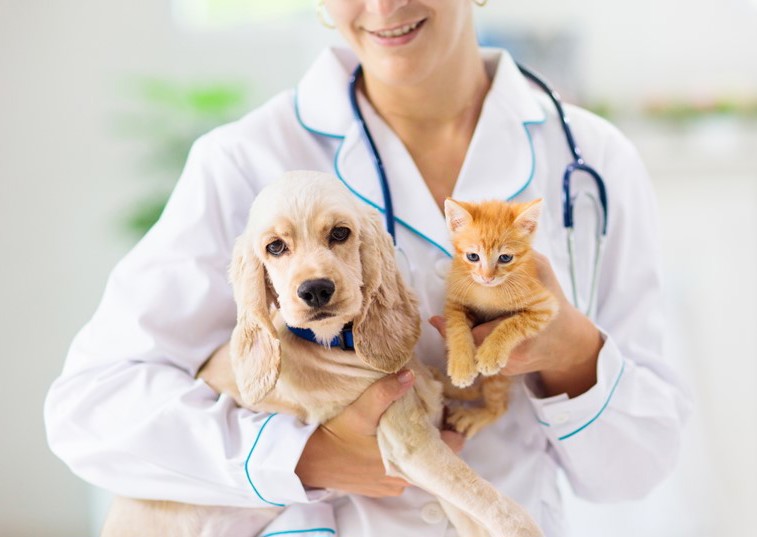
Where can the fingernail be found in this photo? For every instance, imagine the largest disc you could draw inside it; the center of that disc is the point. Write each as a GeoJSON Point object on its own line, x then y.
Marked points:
{"type": "Point", "coordinates": [405, 377]}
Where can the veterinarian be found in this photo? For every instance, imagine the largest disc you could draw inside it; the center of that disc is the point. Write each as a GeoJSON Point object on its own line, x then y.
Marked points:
{"type": "Point", "coordinates": [594, 398]}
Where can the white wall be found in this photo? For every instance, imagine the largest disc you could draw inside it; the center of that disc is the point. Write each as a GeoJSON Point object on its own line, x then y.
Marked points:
{"type": "Point", "coordinates": [707, 191]}
{"type": "Point", "coordinates": [650, 48]}
{"type": "Point", "coordinates": [66, 178]}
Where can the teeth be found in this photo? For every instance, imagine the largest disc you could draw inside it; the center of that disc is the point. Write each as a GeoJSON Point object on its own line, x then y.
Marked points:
{"type": "Point", "coordinates": [397, 32]}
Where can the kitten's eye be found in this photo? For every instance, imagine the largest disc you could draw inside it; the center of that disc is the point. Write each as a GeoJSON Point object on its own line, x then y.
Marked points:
{"type": "Point", "coordinates": [339, 234]}
{"type": "Point", "coordinates": [472, 257]}
{"type": "Point", "coordinates": [276, 248]}
{"type": "Point", "coordinates": [505, 258]}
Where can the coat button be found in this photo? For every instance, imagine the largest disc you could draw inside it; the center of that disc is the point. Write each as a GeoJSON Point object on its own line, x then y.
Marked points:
{"type": "Point", "coordinates": [432, 513]}
{"type": "Point", "coordinates": [441, 267]}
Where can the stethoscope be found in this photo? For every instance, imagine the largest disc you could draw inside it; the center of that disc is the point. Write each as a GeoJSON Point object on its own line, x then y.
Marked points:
{"type": "Point", "coordinates": [599, 201]}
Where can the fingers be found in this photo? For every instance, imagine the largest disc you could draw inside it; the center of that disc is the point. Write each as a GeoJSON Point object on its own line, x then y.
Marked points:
{"type": "Point", "coordinates": [364, 413]}
{"type": "Point", "coordinates": [544, 269]}
{"type": "Point", "coordinates": [385, 489]}
{"type": "Point", "coordinates": [547, 275]}
{"type": "Point", "coordinates": [390, 486]}
{"type": "Point", "coordinates": [343, 453]}
{"type": "Point", "coordinates": [479, 331]}
{"type": "Point", "coordinates": [219, 375]}
{"type": "Point", "coordinates": [438, 322]}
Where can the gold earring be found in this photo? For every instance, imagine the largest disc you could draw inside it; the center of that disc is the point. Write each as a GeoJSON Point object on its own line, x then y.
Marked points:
{"type": "Point", "coordinates": [480, 3]}
{"type": "Point", "coordinates": [320, 10]}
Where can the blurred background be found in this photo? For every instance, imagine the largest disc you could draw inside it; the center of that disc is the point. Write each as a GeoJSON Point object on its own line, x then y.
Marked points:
{"type": "Point", "coordinates": [100, 100]}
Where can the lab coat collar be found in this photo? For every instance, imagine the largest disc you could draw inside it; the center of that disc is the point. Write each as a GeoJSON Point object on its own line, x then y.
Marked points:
{"type": "Point", "coordinates": [321, 97]}
{"type": "Point", "coordinates": [500, 162]}
{"type": "Point", "coordinates": [320, 101]}
{"type": "Point", "coordinates": [510, 90]}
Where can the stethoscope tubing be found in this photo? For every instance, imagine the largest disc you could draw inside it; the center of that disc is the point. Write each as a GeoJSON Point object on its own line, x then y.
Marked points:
{"type": "Point", "coordinates": [377, 162]}
{"type": "Point", "coordinates": [578, 163]}
{"type": "Point", "coordinates": [568, 199]}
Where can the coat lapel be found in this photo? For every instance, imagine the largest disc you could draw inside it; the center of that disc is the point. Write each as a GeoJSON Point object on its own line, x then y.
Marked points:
{"type": "Point", "coordinates": [414, 207]}
{"type": "Point", "coordinates": [320, 100]}
{"type": "Point", "coordinates": [501, 160]}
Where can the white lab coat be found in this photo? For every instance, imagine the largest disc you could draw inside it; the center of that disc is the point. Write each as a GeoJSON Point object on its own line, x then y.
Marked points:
{"type": "Point", "coordinates": [128, 415]}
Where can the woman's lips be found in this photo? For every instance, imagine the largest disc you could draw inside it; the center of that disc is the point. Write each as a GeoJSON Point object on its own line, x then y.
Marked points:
{"type": "Point", "coordinates": [399, 35]}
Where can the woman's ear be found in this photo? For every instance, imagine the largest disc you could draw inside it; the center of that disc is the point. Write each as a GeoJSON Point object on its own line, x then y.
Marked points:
{"type": "Point", "coordinates": [388, 326]}
{"type": "Point", "coordinates": [255, 347]}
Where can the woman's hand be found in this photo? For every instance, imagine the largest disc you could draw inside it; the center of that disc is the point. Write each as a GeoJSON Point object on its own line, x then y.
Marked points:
{"type": "Point", "coordinates": [564, 354]}
{"type": "Point", "coordinates": [343, 454]}
{"type": "Point", "coordinates": [218, 374]}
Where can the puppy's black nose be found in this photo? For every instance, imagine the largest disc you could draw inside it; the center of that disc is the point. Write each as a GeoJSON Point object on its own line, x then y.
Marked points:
{"type": "Point", "coordinates": [316, 293]}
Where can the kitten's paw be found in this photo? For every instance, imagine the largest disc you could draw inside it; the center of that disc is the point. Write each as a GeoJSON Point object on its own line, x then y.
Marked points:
{"type": "Point", "coordinates": [490, 359]}
{"type": "Point", "coordinates": [462, 373]}
{"type": "Point", "coordinates": [469, 421]}
{"type": "Point", "coordinates": [461, 366]}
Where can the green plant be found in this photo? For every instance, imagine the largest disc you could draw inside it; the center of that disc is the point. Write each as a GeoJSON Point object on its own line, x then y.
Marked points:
{"type": "Point", "coordinates": [685, 111]}
{"type": "Point", "coordinates": [169, 116]}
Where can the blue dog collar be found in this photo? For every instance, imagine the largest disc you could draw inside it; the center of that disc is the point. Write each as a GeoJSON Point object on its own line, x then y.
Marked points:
{"type": "Point", "coordinates": [343, 339]}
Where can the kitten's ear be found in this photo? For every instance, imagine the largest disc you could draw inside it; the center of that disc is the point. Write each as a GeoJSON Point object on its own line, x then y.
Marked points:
{"type": "Point", "coordinates": [529, 216]}
{"type": "Point", "coordinates": [457, 217]}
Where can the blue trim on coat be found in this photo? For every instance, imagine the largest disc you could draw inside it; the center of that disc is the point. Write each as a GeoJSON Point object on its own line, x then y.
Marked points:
{"type": "Point", "coordinates": [527, 124]}
{"type": "Point", "coordinates": [601, 410]}
{"type": "Point", "coordinates": [355, 192]}
{"type": "Point", "coordinates": [290, 532]}
{"type": "Point", "coordinates": [301, 122]}
{"type": "Point", "coordinates": [381, 209]}
{"type": "Point", "coordinates": [246, 462]}
{"type": "Point", "coordinates": [404, 224]}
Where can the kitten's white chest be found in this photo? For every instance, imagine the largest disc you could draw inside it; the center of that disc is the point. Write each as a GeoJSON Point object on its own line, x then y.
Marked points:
{"type": "Point", "coordinates": [486, 303]}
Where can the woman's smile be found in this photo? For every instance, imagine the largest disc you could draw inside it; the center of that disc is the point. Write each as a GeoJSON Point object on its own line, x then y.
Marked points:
{"type": "Point", "coordinates": [397, 35]}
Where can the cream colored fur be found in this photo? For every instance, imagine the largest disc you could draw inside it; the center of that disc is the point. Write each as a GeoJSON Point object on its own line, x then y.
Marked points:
{"type": "Point", "coordinates": [279, 372]}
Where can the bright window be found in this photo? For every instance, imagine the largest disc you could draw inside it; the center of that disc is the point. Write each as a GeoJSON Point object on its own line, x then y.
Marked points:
{"type": "Point", "coordinates": [206, 14]}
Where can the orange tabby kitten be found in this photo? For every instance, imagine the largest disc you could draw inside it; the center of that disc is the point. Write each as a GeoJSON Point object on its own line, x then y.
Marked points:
{"type": "Point", "coordinates": [493, 274]}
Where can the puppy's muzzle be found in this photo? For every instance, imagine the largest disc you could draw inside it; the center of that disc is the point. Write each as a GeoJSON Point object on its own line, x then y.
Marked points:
{"type": "Point", "coordinates": [316, 293]}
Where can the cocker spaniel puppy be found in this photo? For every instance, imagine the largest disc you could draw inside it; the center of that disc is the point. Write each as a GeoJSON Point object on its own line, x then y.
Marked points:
{"type": "Point", "coordinates": [314, 267]}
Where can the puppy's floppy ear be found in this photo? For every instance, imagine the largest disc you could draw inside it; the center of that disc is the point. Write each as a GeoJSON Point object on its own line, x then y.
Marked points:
{"type": "Point", "coordinates": [388, 325]}
{"type": "Point", "coordinates": [255, 347]}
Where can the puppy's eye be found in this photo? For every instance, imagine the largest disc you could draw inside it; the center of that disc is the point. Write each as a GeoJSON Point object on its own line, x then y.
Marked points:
{"type": "Point", "coordinates": [339, 234]}
{"type": "Point", "coordinates": [276, 248]}
{"type": "Point", "coordinates": [505, 258]}
{"type": "Point", "coordinates": [472, 257]}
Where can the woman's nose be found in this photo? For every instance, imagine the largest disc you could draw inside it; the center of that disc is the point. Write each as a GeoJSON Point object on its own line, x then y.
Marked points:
{"type": "Point", "coordinates": [384, 8]}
